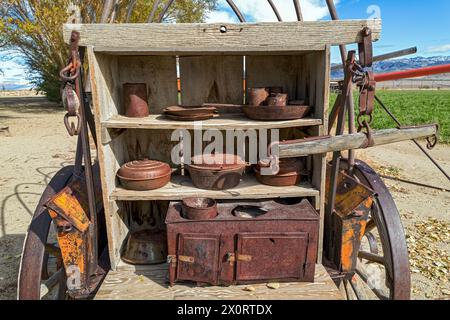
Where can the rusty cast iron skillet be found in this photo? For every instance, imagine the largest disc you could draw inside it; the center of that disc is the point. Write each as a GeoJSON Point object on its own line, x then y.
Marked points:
{"type": "Point", "coordinates": [275, 113]}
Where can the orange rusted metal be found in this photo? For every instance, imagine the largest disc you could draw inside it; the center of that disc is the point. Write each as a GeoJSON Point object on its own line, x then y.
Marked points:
{"type": "Point", "coordinates": [72, 244]}
{"type": "Point", "coordinates": [345, 227]}
{"type": "Point", "coordinates": [349, 194]}
{"type": "Point", "coordinates": [69, 211]}
{"type": "Point", "coordinates": [353, 230]}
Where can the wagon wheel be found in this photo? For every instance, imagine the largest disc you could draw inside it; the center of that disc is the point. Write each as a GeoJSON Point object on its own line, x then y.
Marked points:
{"type": "Point", "coordinates": [42, 275]}
{"type": "Point", "coordinates": [383, 264]}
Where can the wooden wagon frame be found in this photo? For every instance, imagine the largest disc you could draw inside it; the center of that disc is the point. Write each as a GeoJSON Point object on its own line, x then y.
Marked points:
{"type": "Point", "coordinates": [212, 62]}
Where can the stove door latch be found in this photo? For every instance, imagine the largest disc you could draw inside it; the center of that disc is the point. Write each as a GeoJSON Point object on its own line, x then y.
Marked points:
{"type": "Point", "coordinates": [232, 257]}
{"type": "Point", "coordinates": [173, 259]}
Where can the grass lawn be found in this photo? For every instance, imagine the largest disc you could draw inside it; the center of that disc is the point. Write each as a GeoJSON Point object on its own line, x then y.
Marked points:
{"type": "Point", "coordinates": [412, 108]}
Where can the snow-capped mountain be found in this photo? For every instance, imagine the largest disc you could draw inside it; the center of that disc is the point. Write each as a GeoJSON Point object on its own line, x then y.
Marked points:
{"type": "Point", "coordinates": [403, 64]}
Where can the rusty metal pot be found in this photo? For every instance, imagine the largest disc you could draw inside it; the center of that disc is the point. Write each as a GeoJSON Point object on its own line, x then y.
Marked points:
{"type": "Point", "coordinates": [278, 100]}
{"type": "Point", "coordinates": [142, 175]}
{"type": "Point", "coordinates": [289, 174]}
{"type": "Point", "coordinates": [146, 247]}
{"type": "Point", "coordinates": [257, 96]}
{"type": "Point", "coordinates": [216, 172]}
{"type": "Point", "coordinates": [135, 100]}
{"type": "Point", "coordinates": [275, 90]}
{"type": "Point", "coordinates": [199, 208]}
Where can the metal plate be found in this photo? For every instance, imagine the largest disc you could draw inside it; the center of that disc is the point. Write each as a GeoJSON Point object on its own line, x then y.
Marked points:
{"type": "Point", "coordinates": [270, 256]}
{"type": "Point", "coordinates": [204, 249]}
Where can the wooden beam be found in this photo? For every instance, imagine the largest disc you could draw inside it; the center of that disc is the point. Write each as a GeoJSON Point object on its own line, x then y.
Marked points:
{"type": "Point", "coordinates": [354, 141]}
{"type": "Point", "coordinates": [226, 38]}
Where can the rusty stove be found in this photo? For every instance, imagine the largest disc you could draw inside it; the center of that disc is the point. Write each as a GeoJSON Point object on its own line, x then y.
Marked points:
{"type": "Point", "coordinates": [247, 242]}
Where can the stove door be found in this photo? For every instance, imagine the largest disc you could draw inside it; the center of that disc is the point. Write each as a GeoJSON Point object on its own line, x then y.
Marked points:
{"type": "Point", "coordinates": [271, 256]}
{"type": "Point", "coordinates": [198, 257]}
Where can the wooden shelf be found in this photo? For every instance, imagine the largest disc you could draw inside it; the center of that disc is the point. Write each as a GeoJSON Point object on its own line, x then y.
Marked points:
{"type": "Point", "coordinates": [224, 121]}
{"type": "Point", "coordinates": [181, 187]}
{"type": "Point", "coordinates": [150, 283]}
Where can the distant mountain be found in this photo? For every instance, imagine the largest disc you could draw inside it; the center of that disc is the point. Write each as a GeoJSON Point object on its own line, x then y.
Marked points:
{"type": "Point", "coordinates": [13, 87]}
{"type": "Point", "coordinates": [402, 64]}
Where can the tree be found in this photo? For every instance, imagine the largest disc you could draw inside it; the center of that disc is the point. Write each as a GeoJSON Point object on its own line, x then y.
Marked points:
{"type": "Point", "coordinates": [33, 28]}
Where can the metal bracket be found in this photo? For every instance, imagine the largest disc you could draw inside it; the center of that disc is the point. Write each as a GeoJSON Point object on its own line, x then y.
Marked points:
{"type": "Point", "coordinates": [233, 257]}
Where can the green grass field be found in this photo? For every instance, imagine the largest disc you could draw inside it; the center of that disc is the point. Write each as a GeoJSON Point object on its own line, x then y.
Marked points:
{"type": "Point", "coordinates": [413, 108]}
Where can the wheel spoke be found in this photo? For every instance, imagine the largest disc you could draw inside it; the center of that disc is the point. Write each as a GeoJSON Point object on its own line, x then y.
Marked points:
{"type": "Point", "coordinates": [53, 250]}
{"type": "Point", "coordinates": [372, 242]}
{"type": "Point", "coordinates": [370, 225]}
{"type": "Point", "coordinates": [371, 257]}
{"type": "Point", "coordinates": [51, 282]}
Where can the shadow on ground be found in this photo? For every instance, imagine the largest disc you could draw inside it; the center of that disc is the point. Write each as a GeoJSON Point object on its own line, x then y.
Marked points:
{"type": "Point", "coordinates": [11, 244]}
{"type": "Point", "coordinates": [29, 104]}
{"type": "Point", "coordinates": [10, 253]}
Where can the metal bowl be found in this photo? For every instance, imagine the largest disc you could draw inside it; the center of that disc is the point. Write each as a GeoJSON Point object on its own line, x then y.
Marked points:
{"type": "Point", "coordinates": [146, 247]}
{"type": "Point", "coordinates": [199, 208]}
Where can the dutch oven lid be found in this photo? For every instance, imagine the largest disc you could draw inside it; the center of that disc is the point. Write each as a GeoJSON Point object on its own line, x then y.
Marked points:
{"type": "Point", "coordinates": [144, 170]}
{"type": "Point", "coordinates": [217, 161]}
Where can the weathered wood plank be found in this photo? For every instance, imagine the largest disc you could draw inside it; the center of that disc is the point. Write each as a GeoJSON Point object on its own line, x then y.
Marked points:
{"type": "Point", "coordinates": [104, 84]}
{"type": "Point", "coordinates": [181, 187]}
{"type": "Point", "coordinates": [211, 79]}
{"type": "Point", "coordinates": [150, 283]}
{"type": "Point", "coordinates": [208, 38]}
{"type": "Point", "coordinates": [225, 121]}
{"type": "Point", "coordinates": [354, 141]}
{"type": "Point", "coordinates": [276, 71]}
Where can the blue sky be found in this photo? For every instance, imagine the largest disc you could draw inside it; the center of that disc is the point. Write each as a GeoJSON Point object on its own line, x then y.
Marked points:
{"type": "Point", "coordinates": [406, 23]}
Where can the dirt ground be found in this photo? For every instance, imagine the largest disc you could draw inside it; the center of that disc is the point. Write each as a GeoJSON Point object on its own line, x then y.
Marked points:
{"type": "Point", "coordinates": [36, 145]}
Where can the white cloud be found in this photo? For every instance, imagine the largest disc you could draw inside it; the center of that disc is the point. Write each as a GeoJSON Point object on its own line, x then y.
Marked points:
{"type": "Point", "coordinates": [221, 16]}
{"type": "Point", "coordinates": [13, 72]}
{"type": "Point", "coordinates": [260, 10]}
{"type": "Point", "coordinates": [439, 49]}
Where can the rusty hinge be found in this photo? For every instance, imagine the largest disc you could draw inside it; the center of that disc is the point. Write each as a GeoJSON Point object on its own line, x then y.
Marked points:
{"type": "Point", "coordinates": [173, 259]}
{"type": "Point", "coordinates": [232, 257]}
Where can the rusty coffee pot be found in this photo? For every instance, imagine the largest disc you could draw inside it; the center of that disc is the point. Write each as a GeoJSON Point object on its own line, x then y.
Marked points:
{"type": "Point", "coordinates": [257, 96]}
{"type": "Point", "coordinates": [277, 99]}
{"type": "Point", "coordinates": [135, 100]}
